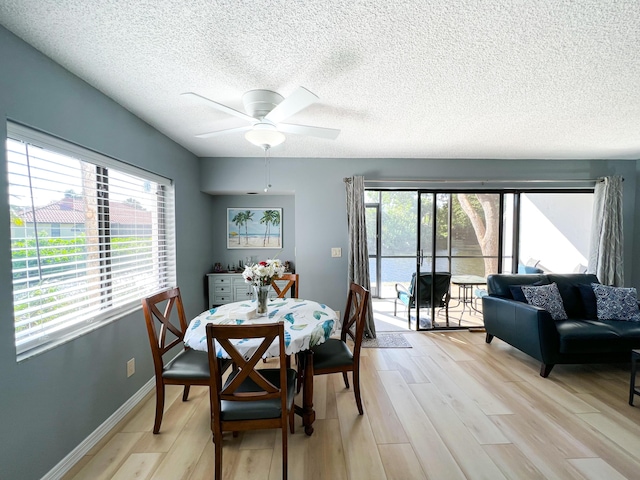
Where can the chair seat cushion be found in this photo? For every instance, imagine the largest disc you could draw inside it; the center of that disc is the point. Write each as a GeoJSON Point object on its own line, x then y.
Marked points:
{"type": "Point", "coordinates": [405, 298]}
{"type": "Point", "coordinates": [332, 353]}
{"type": "Point", "coordinates": [188, 364]}
{"type": "Point", "coordinates": [230, 411]}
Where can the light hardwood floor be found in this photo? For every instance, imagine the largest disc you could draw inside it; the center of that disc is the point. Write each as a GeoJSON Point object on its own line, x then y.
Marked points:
{"type": "Point", "coordinates": [451, 407]}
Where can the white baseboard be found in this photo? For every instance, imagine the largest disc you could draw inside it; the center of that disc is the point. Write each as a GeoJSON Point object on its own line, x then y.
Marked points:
{"type": "Point", "coordinates": [88, 443]}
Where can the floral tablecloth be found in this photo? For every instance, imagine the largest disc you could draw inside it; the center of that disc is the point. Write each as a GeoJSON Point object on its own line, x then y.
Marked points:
{"type": "Point", "coordinates": [306, 324]}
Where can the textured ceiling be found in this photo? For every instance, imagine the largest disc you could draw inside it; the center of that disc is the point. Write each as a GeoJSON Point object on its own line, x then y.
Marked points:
{"type": "Point", "coordinates": [401, 79]}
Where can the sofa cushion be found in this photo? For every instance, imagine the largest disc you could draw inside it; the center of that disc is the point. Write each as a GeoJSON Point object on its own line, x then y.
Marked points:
{"type": "Point", "coordinates": [585, 336]}
{"type": "Point", "coordinates": [589, 304]}
{"type": "Point", "coordinates": [616, 303]}
{"type": "Point", "coordinates": [516, 293]}
{"type": "Point", "coordinates": [571, 297]}
{"type": "Point", "coordinates": [589, 336]}
{"type": "Point", "coordinates": [498, 284]}
{"type": "Point", "coordinates": [547, 297]}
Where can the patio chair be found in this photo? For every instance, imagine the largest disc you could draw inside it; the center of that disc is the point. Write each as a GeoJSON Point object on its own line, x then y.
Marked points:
{"type": "Point", "coordinates": [441, 293]}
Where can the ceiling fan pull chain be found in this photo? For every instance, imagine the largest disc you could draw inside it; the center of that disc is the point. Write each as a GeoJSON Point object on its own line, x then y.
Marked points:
{"type": "Point", "coordinates": [267, 168]}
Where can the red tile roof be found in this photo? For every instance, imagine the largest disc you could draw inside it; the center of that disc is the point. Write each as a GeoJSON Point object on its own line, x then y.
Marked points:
{"type": "Point", "coordinates": [71, 210]}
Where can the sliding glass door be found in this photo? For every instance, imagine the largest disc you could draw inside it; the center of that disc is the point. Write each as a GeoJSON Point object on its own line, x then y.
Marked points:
{"type": "Point", "coordinates": [417, 236]}
{"type": "Point", "coordinates": [459, 239]}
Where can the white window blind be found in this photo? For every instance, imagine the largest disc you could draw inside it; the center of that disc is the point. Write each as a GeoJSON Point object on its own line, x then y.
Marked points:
{"type": "Point", "coordinates": [90, 236]}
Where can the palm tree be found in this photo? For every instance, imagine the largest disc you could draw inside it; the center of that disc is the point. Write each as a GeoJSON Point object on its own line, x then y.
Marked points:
{"type": "Point", "coordinates": [248, 216]}
{"type": "Point", "coordinates": [269, 217]}
{"type": "Point", "coordinates": [239, 219]}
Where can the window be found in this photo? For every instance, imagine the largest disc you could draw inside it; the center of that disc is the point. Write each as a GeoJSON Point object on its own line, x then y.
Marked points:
{"type": "Point", "coordinates": [90, 236]}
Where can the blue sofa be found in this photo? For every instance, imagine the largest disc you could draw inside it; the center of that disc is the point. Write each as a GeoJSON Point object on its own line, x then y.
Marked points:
{"type": "Point", "coordinates": [579, 339]}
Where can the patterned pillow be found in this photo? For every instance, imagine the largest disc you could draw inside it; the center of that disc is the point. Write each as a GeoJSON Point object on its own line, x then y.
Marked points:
{"type": "Point", "coordinates": [547, 297]}
{"type": "Point", "coordinates": [616, 303]}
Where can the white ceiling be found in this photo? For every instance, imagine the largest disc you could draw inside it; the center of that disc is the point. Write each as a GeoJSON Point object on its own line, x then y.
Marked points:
{"type": "Point", "coordinates": [401, 79]}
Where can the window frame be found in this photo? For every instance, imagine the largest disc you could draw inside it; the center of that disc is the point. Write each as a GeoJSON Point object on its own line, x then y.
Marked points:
{"type": "Point", "coordinates": [162, 242]}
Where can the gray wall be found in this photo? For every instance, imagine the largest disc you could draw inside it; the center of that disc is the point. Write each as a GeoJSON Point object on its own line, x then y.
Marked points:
{"type": "Point", "coordinates": [50, 403]}
{"type": "Point", "coordinates": [220, 252]}
{"type": "Point", "coordinates": [320, 217]}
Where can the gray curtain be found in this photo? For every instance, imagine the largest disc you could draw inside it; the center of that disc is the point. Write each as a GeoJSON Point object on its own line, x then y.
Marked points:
{"type": "Point", "coordinates": [605, 251]}
{"type": "Point", "coordinates": [358, 252]}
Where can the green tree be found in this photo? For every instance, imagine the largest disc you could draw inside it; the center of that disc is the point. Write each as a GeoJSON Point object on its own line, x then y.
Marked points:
{"type": "Point", "coordinates": [483, 211]}
{"type": "Point", "coordinates": [269, 217]}
{"type": "Point", "coordinates": [239, 219]}
{"type": "Point", "coordinates": [248, 217]}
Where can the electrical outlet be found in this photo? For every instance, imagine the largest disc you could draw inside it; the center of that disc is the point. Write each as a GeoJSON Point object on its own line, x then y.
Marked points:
{"type": "Point", "coordinates": [336, 252]}
{"type": "Point", "coordinates": [131, 367]}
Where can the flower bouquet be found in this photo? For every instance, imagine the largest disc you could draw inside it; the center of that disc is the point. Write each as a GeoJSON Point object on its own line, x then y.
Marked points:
{"type": "Point", "coordinates": [259, 275]}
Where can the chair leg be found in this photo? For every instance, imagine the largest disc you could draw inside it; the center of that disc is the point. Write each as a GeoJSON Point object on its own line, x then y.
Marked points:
{"type": "Point", "coordinates": [446, 314]}
{"type": "Point", "coordinates": [218, 454]}
{"type": "Point", "coordinates": [292, 419]}
{"type": "Point", "coordinates": [185, 394]}
{"type": "Point", "coordinates": [159, 406]}
{"type": "Point", "coordinates": [346, 379]}
{"type": "Point", "coordinates": [395, 307]}
{"type": "Point", "coordinates": [285, 472]}
{"type": "Point", "coordinates": [356, 390]}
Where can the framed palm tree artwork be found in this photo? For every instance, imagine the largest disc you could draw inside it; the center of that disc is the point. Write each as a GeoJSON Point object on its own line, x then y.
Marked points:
{"type": "Point", "coordinates": [254, 228]}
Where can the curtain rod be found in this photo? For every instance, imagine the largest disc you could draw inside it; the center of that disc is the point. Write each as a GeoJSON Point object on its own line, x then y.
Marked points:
{"type": "Point", "coordinates": [423, 180]}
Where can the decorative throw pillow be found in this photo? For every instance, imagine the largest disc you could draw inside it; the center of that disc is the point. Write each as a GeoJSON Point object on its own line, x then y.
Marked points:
{"type": "Point", "coordinates": [516, 293]}
{"type": "Point", "coordinates": [616, 303]}
{"type": "Point", "coordinates": [588, 301]}
{"type": "Point", "coordinates": [547, 297]}
{"type": "Point", "coordinates": [516, 290]}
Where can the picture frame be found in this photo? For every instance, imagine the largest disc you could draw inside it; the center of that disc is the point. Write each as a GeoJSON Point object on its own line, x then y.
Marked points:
{"type": "Point", "coordinates": [254, 228]}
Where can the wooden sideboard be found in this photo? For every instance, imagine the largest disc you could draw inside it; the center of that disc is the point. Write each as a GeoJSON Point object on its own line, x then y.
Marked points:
{"type": "Point", "coordinates": [229, 287]}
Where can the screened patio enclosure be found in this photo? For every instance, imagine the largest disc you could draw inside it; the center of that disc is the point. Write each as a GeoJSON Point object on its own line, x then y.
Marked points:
{"type": "Point", "coordinates": [422, 234]}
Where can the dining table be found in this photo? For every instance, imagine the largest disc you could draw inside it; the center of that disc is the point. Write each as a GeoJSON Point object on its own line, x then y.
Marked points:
{"type": "Point", "coordinates": [306, 323]}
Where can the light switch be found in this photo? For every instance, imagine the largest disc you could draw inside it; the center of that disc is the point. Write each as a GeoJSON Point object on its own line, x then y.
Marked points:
{"type": "Point", "coordinates": [336, 252]}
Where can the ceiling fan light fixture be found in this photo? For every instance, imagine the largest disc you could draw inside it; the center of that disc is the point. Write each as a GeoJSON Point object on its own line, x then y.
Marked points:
{"type": "Point", "coordinates": [265, 135]}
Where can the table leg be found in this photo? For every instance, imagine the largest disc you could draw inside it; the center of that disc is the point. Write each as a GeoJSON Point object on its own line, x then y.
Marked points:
{"type": "Point", "coordinates": [307, 412]}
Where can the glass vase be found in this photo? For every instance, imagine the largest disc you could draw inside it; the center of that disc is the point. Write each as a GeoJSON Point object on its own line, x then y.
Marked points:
{"type": "Point", "coordinates": [260, 294]}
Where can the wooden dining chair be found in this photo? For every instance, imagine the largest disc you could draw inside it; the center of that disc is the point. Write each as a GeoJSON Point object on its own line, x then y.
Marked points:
{"type": "Point", "coordinates": [334, 355]}
{"type": "Point", "coordinates": [292, 284]}
{"type": "Point", "coordinates": [250, 398]}
{"type": "Point", "coordinates": [166, 326]}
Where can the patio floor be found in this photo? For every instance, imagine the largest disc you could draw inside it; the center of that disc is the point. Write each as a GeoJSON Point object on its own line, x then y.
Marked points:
{"type": "Point", "coordinates": [386, 321]}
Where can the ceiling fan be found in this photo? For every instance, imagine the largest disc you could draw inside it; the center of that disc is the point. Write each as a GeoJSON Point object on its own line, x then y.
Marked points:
{"type": "Point", "coordinates": [265, 112]}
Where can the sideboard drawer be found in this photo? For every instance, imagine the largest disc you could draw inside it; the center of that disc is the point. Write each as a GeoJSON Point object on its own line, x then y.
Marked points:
{"type": "Point", "coordinates": [221, 299]}
{"type": "Point", "coordinates": [227, 288]}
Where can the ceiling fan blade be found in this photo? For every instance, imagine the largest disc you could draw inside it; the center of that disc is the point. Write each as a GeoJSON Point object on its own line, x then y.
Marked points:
{"type": "Point", "coordinates": [300, 99]}
{"type": "Point", "coordinates": [322, 132]}
{"type": "Point", "coordinates": [221, 107]}
{"type": "Point", "coordinates": [219, 133]}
